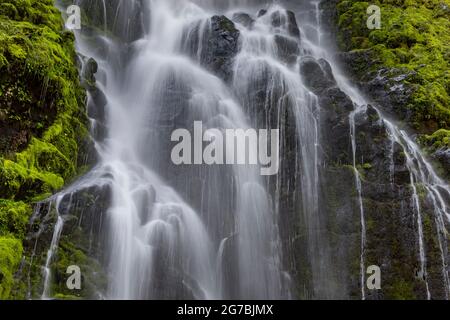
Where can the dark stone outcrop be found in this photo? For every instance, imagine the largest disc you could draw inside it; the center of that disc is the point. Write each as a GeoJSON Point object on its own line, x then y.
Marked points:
{"type": "Point", "coordinates": [317, 74]}
{"type": "Point", "coordinates": [88, 73]}
{"type": "Point", "coordinates": [388, 88]}
{"type": "Point", "coordinates": [262, 12]}
{"type": "Point", "coordinates": [244, 19]}
{"type": "Point", "coordinates": [443, 156]}
{"type": "Point", "coordinates": [83, 241]}
{"type": "Point", "coordinates": [288, 50]}
{"type": "Point", "coordinates": [286, 20]}
{"type": "Point", "coordinates": [222, 45]}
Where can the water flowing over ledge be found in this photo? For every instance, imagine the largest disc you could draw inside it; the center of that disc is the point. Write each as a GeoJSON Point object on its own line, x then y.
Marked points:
{"type": "Point", "coordinates": [154, 230]}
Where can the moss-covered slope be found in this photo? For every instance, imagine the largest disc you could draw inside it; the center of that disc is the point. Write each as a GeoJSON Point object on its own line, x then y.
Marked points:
{"type": "Point", "coordinates": [41, 118]}
{"type": "Point", "coordinates": [413, 43]}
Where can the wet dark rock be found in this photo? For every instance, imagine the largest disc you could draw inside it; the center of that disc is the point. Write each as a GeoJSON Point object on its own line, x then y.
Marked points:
{"type": "Point", "coordinates": [387, 87]}
{"type": "Point", "coordinates": [82, 243]}
{"type": "Point", "coordinates": [292, 24]}
{"type": "Point", "coordinates": [357, 62]}
{"type": "Point", "coordinates": [88, 73]}
{"type": "Point", "coordinates": [222, 46]}
{"type": "Point", "coordinates": [286, 20]}
{"type": "Point", "coordinates": [96, 107]}
{"type": "Point", "coordinates": [262, 12]}
{"type": "Point", "coordinates": [288, 50]}
{"type": "Point", "coordinates": [86, 209]}
{"type": "Point", "coordinates": [244, 19]}
{"type": "Point", "coordinates": [335, 124]}
{"type": "Point", "coordinates": [317, 74]}
{"type": "Point", "coordinates": [386, 195]}
{"type": "Point", "coordinates": [443, 156]}
{"type": "Point", "coordinates": [334, 99]}
{"type": "Point", "coordinates": [146, 200]}
{"type": "Point", "coordinates": [402, 175]}
{"type": "Point", "coordinates": [263, 99]}
{"type": "Point", "coordinates": [330, 18]}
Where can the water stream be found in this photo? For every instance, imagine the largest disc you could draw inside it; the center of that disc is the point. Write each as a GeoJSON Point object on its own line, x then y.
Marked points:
{"type": "Point", "coordinates": [212, 232]}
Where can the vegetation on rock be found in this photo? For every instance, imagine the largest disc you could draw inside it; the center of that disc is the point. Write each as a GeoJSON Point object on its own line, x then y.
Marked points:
{"type": "Point", "coordinates": [414, 44]}
{"type": "Point", "coordinates": [407, 62]}
{"type": "Point", "coordinates": [42, 120]}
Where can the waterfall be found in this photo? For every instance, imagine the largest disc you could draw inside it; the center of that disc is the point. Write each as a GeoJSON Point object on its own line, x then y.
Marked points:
{"type": "Point", "coordinates": [159, 242]}
{"type": "Point", "coordinates": [201, 231]}
{"type": "Point", "coordinates": [420, 171]}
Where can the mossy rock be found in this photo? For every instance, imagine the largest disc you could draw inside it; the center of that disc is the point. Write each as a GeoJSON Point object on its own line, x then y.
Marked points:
{"type": "Point", "coordinates": [42, 118]}
{"type": "Point", "coordinates": [10, 255]}
{"type": "Point", "coordinates": [415, 36]}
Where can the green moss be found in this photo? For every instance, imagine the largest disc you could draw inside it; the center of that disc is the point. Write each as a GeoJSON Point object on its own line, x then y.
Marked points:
{"type": "Point", "coordinates": [39, 76]}
{"type": "Point", "coordinates": [10, 253]}
{"type": "Point", "coordinates": [400, 290]}
{"type": "Point", "coordinates": [60, 296]}
{"type": "Point", "coordinates": [13, 217]}
{"type": "Point", "coordinates": [74, 253]}
{"type": "Point", "coordinates": [415, 37]}
{"type": "Point", "coordinates": [227, 24]}
{"type": "Point", "coordinates": [439, 139]}
{"type": "Point", "coordinates": [42, 118]}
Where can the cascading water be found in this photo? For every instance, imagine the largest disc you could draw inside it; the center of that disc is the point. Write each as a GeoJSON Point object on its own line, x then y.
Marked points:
{"type": "Point", "coordinates": [222, 231]}
{"type": "Point", "coordinates": [420, 170]}
{"type": "Point", "coordinates": [262, 56]}
{"type": "Point", "coordinates": [159, 245]}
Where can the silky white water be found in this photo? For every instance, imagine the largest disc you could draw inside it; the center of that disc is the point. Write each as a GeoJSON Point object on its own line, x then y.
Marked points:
{"type": "Point", "coordinates": [156, 237]}
{"type": "Point", "coordinates": [211, 232]}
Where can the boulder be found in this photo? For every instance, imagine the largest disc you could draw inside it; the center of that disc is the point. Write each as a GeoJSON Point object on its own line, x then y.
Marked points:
{"type": "Point", "coordinates": [317, 74]}
{"type": "Point", "coordinates": [288, 50]}
{"type": "Point", "coordinates": [286, 20]}
{"type": "Point", "coordinates": [222, 46]}
{"type": "Point", "coordinates": [244, 19]}
{"type": "Point", "coordinates": [262, 12]}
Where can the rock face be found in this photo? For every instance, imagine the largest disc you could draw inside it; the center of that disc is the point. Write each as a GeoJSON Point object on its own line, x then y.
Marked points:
{"type": "Point", "coordinates": [287, 49]}
{"type": "Point", "coordinates": [401, 88]}
{"type": "Point", "coordinates": [287, 20]}
{"type": "Point", "coordinates": [317, 74]}
{"type": "Point", "coordinates": [221, 46]}
{"type": "Point", "coordinates": [389, 87]}
{"type": "Point", "coordinates": [244, 19]}
{"type": "Point", "coordinates": [443, 156]}
{"type": "Point", "coordinates": [82, 242]}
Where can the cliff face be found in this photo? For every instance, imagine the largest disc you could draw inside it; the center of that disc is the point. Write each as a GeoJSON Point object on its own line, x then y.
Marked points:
{"type": "Point", "coordinates": [42, 122]}
{"type": "Point", "coordinates": [404, 69]}
{"type": "Point", "coordinates": [404, 65]}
